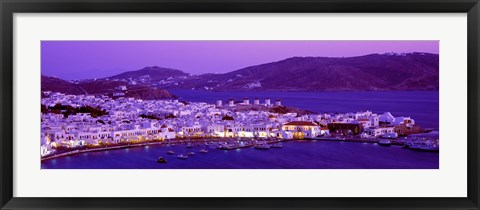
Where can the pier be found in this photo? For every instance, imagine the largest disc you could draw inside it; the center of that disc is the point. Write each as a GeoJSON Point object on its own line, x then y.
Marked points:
{"type": "Point", "coordinates": [251, 143]}
{"type": "Point", "coordinates": [359, 140]}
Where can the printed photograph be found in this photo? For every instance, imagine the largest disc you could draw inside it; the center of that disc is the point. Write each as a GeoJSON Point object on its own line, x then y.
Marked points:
{"type": "Point", "coordinates": [240, 104]}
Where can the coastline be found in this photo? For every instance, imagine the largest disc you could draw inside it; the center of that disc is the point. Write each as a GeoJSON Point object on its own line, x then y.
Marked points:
{"type": "Point", "coordinates": [80, 151]}
{"type": "Point", "coordinates": [183, 141]}
{"type": "Point", "coordinates": [357, 140]}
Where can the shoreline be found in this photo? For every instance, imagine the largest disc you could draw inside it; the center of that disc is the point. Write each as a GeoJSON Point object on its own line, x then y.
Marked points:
{"type": "Point", "coordinates": [359, 140]}
{"type": "Point", "coordinates": [99, 149]}
{"type": "Point", "coordinates": [80, 151]}
{"type": "Point", "coordinates": [177, 141]}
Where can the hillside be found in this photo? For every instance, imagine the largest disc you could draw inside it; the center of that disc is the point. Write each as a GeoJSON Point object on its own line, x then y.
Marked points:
{"type": "Point", "coordinates": [413, 71]}
{"type": "Point", "coordinates": [58, 85]}
{"type": "Point", "coordinates": [104, 87]}
{"type": "Point", "coordinates": [149, 74]}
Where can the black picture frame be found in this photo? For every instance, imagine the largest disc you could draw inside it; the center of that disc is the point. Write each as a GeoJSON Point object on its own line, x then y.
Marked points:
{"type": "Point", "coordinates": [10, 7]}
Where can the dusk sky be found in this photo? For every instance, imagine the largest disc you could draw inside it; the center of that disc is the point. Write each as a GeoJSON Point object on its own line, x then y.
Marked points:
{"type": "Point", "coordinates": [97, 59]}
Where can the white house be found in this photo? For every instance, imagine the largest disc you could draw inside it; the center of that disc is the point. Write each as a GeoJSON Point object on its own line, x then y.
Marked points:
{"type": "Point", "coordinates": [302, 129]}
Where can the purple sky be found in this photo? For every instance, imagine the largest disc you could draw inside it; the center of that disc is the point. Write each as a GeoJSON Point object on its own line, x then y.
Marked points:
{"type": "Point", "coordinates": [97, 59]}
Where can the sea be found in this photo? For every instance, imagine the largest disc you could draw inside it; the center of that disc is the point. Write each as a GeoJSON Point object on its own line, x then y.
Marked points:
{"type": "Point", "coordinates": [422, 106]}
{"type": "Point", "coordinates": [306, 154]}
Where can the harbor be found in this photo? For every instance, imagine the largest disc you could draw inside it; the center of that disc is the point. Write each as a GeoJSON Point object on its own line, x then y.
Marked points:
{"type": "Point", "coordinates": [205, 113]}
{"type": "Point", "coordinates": [262, 130]}
{"type": "Point", "coordinates": [223, 144]}
{"type": "Point", "coordinates": [298, 154]}
{"type": "Point", "coordinates": [236, 144]}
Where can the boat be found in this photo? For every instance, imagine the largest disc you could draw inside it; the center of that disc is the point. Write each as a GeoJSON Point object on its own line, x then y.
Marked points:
{"type": "Point", "coordinates": [226, 146]}
{"type": "Point", "coordinates": [182, 156]}
{"type": "Point", "coordinates": [384, 142]}
{"type": "Point", "coordinates": [204, 151]}
{"type": "Point", "coordinates": [231, 146]}
{"type": "Point", "coordinates": [277, 145]}
{"type": "Point", "coordinates": [390, 135]}
{"type": "Point", "coordinates": [221, 146]}
{"type": "Point", "coordinates": [423, 145]}
{"type": "Point", "coordinates": [189, 145]}
{"type": "Point", "coordinates": [161, 160]}
{"type": "Point", "coordinates": [170, 152]}
{"type": "Point", "coordinates": [262, 146]}
{"type": "Point", "coordinates": [191, 153]}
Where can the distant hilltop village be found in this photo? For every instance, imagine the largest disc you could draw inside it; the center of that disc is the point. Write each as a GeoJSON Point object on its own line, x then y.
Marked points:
{"type": "Point", "coordinates": [79, 121]}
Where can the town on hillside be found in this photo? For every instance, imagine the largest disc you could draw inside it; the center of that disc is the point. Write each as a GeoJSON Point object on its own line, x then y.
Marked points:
{"type": "Point", "coordinates": [73, 122]}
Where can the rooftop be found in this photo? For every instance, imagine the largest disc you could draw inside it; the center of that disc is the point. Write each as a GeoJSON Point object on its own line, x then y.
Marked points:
{"type": "Point", "coordinates": [301, 123]}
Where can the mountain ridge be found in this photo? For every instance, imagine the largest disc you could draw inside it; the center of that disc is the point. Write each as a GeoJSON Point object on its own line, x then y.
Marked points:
{"type": "Point", "coordinates": [372, 72]}
{"type": "Point", "coordinates": [416, 71]}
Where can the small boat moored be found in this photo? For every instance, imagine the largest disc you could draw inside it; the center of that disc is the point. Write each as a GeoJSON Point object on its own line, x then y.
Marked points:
{"type": "Point", "coordinates": [182, 156]}
{"type": "Point", "coordinates": [429, 148]}
{"type": "Point", "coordinates": [161, 160]}
{"type": "Point", "coordinates": [262, 146]}
{"type": "Point", "coordinates": [170, 152]}
{"type": "Point", "coordinates": [191, 153]}
{"type": "Point", "coordinates": [204, 151]}
{"type": "Point", "coordinates": [390, 135]}
{"type": "Point", "coordinates": [385, 142]}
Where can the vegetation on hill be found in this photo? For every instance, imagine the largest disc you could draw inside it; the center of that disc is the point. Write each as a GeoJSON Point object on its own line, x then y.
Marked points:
{"type": "Point", "coordinates": [226, 117]}
{"type": "Point", "coordinates": [69, 110]}
{"type": "Point", "coordinates": [153, 117]}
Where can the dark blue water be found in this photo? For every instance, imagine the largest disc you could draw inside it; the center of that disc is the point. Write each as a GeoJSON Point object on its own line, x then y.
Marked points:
{"type": "Point", "coordinates": [293, 155]}
{"type": "Point", "coordinates": [423, 106]}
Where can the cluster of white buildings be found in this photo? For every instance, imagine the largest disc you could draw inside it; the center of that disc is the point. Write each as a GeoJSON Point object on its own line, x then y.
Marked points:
{"type": "Point", "coordinates": [170, 119]}
{"type": "Point", "coordinates": [146, 79]}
